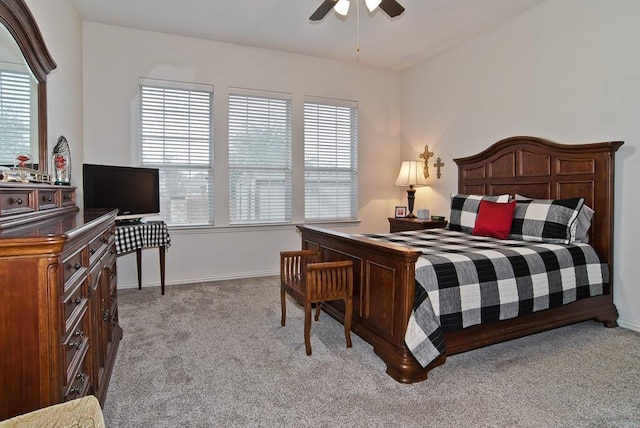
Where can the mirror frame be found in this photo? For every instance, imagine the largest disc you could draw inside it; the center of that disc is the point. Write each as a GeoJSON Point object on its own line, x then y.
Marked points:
{"type": "Point", "coordinates": [18, 20]}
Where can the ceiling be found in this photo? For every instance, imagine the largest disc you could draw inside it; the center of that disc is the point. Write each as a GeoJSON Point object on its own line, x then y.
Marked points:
{"type": "Point", "coordinates": [424, 29]}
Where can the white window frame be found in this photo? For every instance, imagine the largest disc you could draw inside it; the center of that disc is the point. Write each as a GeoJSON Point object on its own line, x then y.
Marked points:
{"type": "Point", "coordinates": [330, 159]}
{"type": "Point", "coordinates": [18, 114]}
{"type": "Point", "coordinates": [177, 138]}
{"type": "Point", "coordinates": [259, 145]}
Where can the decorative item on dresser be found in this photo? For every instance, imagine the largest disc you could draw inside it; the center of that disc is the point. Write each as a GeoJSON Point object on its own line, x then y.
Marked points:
{"type": "Point", "coordinates": [406, 224]}
{"type": "Point", "coordinates": [61, 161]}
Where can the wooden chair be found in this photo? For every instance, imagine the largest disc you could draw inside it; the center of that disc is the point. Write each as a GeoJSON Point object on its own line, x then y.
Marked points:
{"type": "Point", "coordinates": [310, 281]}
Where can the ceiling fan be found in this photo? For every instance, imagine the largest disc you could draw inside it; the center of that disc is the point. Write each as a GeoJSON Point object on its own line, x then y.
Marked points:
{"type": "Point", "coordinates": [390, 7]}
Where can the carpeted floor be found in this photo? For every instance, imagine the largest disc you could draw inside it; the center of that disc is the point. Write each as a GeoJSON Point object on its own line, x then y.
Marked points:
{"type": "Point", "coordinates": [215, 355]}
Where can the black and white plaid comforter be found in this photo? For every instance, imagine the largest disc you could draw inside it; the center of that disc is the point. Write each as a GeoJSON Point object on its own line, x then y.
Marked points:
{"type": "Point", "coordinates": [464, 280]}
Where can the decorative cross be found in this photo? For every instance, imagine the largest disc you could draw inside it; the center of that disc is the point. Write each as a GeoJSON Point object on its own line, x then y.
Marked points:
{"type": "Point", "coordinates": [426, 155]}
{"type": "Point", "coordinates": [439, 164]}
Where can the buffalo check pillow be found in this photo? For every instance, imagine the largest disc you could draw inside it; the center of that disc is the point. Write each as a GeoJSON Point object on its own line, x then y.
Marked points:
{"type": "Point", "coordinates": [583, 223]}
{"type": "Point", "coordinates": [546, 220]}
{"type": "Point", "coordinates": [464, 210]}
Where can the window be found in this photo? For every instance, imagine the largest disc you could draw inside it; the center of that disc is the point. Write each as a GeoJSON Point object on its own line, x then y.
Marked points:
{"type": "Point", "coordinates": [176, 136]}
{"type": "Point", "coordinates": [331, 160]}
{"type": "Point", "coordinates": [259, 157]}
{"type": "Point", "coordinates": [15, 115]}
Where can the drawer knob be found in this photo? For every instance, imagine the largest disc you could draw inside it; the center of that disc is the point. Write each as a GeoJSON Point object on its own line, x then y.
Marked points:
{"type": "Point", "coordinates": [105, 315]}
{"type": "Point", "coordinates": [80, 376]}
{"type": "Point", "coordinates": [76, 266]}
{"type": "Point", "coordinates": [66, 196]}
{"type": "Point", "coordinates": [77, 301]}
{"type": "Point", "coordinates": [16, 201]}
{"type": "Point", "coordinates": [47, 198]}
{"type": "Point", "coordinates": [80, 333]}
{"type": "Point", "coordinates": [74, 391]}
{"type": "Point", "coordinates": [92, 251]}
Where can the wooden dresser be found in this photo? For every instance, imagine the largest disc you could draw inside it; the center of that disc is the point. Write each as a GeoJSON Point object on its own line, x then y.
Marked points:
{"type": "Point", "coordinates": [59, 330]}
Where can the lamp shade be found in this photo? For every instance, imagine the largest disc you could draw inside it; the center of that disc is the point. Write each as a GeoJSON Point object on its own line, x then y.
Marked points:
{"type": "Point", "coordinates": [372, 4]}
{"type": "Point", "coordinates": [411, 174]}
{"type": "Point", "coordinates": [342, 7]}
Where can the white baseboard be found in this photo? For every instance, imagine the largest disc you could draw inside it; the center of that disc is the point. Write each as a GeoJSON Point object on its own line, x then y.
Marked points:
{"type": "Point", "coordinates": [629, 324]}
{"type": "Point", "coordinates": [122, 286]}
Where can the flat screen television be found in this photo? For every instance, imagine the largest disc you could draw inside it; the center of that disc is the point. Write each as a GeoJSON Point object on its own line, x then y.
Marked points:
{"type": "Point", "coordinates": [134, 191]}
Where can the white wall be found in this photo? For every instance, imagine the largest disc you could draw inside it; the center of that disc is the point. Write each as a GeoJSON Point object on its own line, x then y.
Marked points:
{"type": "Point", "coordinates": [114, 58]}
{"type": "Point", "coordinates": [61, 28]}
{"type": "Point", "coordinates": [566, 70]}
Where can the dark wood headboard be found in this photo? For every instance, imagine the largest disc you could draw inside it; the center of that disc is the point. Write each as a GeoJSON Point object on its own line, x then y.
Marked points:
{"type": "Point", "coordinates": [543, 169]}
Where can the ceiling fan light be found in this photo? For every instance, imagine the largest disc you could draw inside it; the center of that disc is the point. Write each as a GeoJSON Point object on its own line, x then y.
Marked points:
{"type": "Point", "coordinates": [372, 4]}
{"type": "Point", "coordinates": [342, 7]}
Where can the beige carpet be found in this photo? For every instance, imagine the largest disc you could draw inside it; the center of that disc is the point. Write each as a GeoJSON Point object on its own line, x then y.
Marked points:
{"type": "Point", "coordinates": [214, 355]}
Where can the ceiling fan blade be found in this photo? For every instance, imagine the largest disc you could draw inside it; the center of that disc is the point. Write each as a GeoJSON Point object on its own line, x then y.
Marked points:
{"type": "Point", "coordinates": [322, 11]}
{"type": "Point", "coordinates": [391, 8]}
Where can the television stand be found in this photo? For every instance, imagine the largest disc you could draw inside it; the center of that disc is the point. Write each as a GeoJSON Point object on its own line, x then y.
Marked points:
{"type": "Point", "coordinates": [128, 221]}
{"type": "Point", "coordinates": [136, 237]}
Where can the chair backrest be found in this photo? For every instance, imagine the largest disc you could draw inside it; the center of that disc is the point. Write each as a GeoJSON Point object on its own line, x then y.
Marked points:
{"type": "Point", "coordinates": [329, 281]}
{"type": "Point", "coordinates": [293, 264]}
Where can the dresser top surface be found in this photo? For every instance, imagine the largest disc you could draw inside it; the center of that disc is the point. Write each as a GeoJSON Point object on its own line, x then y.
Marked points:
{"type": "Point", "coordinates": [63, 225]}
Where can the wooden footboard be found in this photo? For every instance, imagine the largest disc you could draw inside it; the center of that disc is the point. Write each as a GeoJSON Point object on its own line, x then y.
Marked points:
{"type": "Point", "coordinates": [384, 281]}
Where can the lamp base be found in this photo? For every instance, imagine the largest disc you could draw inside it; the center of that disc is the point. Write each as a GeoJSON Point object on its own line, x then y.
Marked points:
{"type": "Point", "coordinates": [411, 197]}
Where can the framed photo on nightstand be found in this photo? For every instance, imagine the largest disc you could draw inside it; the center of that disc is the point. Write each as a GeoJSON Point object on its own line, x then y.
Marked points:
{"type": "Point", "coordinates": [401, 212]}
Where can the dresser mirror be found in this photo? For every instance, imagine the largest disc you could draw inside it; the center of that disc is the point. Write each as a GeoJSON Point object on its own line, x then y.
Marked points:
{"type": "Point", "coordinates": [25, 63]}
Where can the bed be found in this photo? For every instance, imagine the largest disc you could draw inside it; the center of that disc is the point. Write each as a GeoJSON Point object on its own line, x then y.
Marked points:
{"type": "Point", "coordinates": [385, 273]}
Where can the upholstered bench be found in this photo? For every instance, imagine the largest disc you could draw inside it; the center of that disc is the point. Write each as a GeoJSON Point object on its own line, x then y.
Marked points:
{"type": "Point", "coordinates": [82, 412]}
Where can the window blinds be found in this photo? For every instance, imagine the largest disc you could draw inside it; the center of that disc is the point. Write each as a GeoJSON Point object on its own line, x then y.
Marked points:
{"type": "Point", "coordinates": [259, 158]}
{"type": "Point", "coordinates": [15, 115]}
{"type": "Point", "coordinates": [331, 161]}
{"type": "Point", "coordinates": [176, 128]}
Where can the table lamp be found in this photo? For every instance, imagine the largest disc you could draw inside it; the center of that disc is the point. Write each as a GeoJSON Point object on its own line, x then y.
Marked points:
{"type": "Point", "coordinates": [411, 175]}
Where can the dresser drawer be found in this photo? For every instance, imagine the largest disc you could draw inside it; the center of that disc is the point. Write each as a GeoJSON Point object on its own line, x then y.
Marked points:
{"type": "Point", "coordinates": [72, 266]}
{"type": "Point", "coordinates": [67, 197]}
{"type": "Point", "coordinates": [74, 303]}
{"type": "Point", "coordinates": [75, 344]}
{"type": "Point", "coordinates": [79, 379]}
{"type": "Point", "coordinates": [47, 199]}
{"type": "Point", "coordinates": [98, 246]}
{"type": "Point", "coordinates": [17, 201]}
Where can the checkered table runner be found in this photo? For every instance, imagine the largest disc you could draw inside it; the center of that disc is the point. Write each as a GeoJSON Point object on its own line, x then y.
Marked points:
{"type": "Point", "coordinates": [144, 235]}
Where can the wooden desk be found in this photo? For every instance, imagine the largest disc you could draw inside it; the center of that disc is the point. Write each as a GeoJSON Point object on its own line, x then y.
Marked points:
{"type": "Point", "coordinates": [137, 237]}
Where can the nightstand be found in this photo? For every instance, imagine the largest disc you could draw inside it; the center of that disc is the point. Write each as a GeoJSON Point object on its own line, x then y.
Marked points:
{"type": "Point", "coordinates": [405, 224]}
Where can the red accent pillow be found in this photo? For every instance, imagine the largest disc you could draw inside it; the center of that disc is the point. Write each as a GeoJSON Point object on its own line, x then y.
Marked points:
{"type": "Point", "coordinates": [494, 219]}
